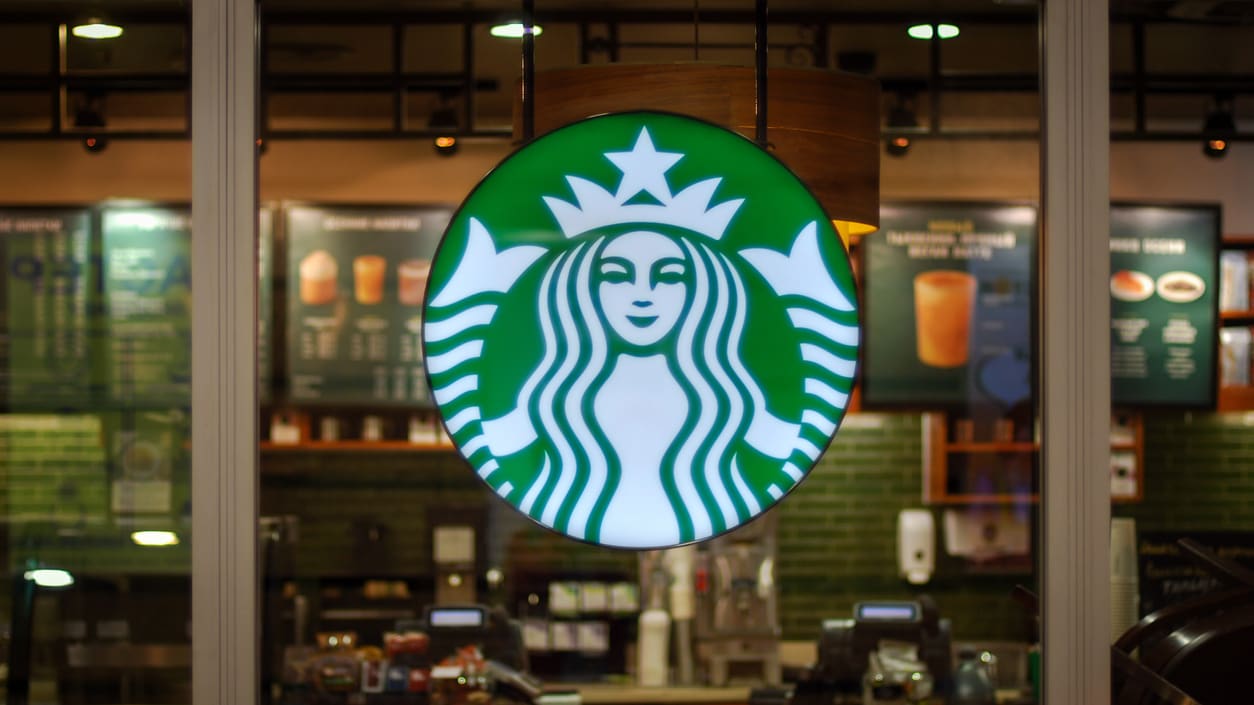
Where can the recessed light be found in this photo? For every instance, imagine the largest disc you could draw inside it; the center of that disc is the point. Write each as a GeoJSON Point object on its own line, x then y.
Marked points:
{"type": "Point", "coordinates": [95, 29]}
{"type": "Point", "coordinates": [514, 30]}
{"type": "Point", "coordinates": [155, 538]}
{"type": "Point", "coordinates": [50, 577]}
{"type": "Point", "coordinates": [924, 31]}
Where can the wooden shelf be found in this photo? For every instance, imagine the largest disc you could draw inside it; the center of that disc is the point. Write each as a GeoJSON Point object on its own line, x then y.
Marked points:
{"type": "Point", "coordinates": [943, 458]}
{"type": "Point", "coordinates": [986, 499]}
{"type": "Point", "coordinates": [1236, 399]}
{"type": "Point", "coordinates": [356, 446]}
{"type": "Point", "coordinates": [1231, 318]}
{"type": "Point", "coordinates": [1237, 242]}
{"type": "Point", "coordinates": [992, 447]}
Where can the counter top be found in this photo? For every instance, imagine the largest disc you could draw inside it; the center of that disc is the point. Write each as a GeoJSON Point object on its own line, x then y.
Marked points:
{"type": "Point", "coordinates": [599, 694]}
{"type": "Point", "coordinates": [605, 694]}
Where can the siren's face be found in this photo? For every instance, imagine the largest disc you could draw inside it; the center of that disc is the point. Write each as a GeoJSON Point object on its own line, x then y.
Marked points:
{"type": "Point", "coordinates": [643, 286]}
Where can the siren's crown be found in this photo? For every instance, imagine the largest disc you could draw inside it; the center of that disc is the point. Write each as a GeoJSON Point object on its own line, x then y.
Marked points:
{"type": "Point", "coordinates": [644, 169]}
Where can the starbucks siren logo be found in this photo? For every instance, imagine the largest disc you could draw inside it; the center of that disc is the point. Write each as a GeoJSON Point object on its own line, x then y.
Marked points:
{"type": "Point", "coordinates": [641, 330]}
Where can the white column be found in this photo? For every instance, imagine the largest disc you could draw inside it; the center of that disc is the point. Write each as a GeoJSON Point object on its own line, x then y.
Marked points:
{"type": "Point", "coordinates": [224, 355]}
{"type": "Point", "coordinates": [1076, 353]}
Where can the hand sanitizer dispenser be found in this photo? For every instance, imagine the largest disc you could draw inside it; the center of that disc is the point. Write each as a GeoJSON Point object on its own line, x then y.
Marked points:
{"type": "Point", "coordinates": [916, 545]}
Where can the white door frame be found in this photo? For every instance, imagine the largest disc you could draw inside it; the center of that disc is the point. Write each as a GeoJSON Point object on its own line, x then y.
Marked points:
{"type": "Point", "coordinates": [1075, 345]}
{"type": "Point", "coordinates": [224, 354]}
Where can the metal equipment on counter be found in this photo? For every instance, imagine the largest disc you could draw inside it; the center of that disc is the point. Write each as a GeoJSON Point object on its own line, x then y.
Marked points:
{"type": "Point", "coordinates": [737, 620]}
{"type": "Point", "coordinates": [898, 647]}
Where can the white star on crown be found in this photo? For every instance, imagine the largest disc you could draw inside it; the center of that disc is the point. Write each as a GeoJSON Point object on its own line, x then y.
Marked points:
{"type": "Point", "coordinates": [644, 169]}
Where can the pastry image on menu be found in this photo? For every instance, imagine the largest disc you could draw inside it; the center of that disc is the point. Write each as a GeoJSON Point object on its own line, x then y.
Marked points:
{"type": "Point", "coordinates": [943, 302]}
{"type": "Point", "coordinates": [318, 278]}
{"type": "Point", "coordinates": [1130, 285]}
{"type": "Point", "coordinates": [412, 277]}
{"type": "Point", "coordinates": [368, 272]}
{"type": "Point", "coordinates": [1180, 287]}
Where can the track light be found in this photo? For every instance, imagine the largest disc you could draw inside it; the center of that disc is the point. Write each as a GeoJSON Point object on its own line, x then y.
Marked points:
{"type": "Point", "coordinates": [95, 144]}
{"type": "Point", "coordinates": [1219, 129]}
{"type": "Point", "coordinates": [444, 120]}
{"type": "Point", "coordinates": [90, 114]}
{"type": "Point", "coordinates": [900, 118]}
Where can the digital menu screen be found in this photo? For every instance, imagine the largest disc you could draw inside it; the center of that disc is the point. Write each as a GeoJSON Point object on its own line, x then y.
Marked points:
{"type": "Point", "coordinates": [49, 277]}
{"type": "Point", "coordinates": [356, 278]}
{"type": "Point", "coordinates": [146, 254]}
{"type": "Point", "coordinates": [1164, 264]}
{"type": "Point", "coordinates": [949, 291]}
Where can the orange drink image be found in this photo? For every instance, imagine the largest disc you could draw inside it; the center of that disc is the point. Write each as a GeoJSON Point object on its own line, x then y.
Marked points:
{"type": "Point", "coordinates": [318, 272]}
{"type": "Point", "coordinates": [368, 272]}
{"type": "Point", "coordinates": [411, 276]}
{"type": "Point", "coordinates": [943, 302]}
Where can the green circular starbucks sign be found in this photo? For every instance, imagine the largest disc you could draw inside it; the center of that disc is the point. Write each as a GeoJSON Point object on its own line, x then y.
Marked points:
{"type": "Point", "coordinates": [641, 330]}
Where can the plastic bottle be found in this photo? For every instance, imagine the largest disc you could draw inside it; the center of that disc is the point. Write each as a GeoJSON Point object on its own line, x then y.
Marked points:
{"type": "Point", "coordinates": [653, 643]}
{"type": "Point", "coordinates": [972, 686]}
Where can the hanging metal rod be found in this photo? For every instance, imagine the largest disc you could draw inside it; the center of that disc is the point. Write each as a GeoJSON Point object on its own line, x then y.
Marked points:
{"type": "Point", "coordinates": [759, 66]}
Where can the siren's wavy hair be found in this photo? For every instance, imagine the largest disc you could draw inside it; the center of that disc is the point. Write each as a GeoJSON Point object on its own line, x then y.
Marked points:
{"type": "Point", "coordinates": [580, 473]}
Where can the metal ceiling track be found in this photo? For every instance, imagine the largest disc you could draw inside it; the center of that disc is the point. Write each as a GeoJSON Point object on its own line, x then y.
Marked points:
{"type": "Point", "coordinates": [399, 83]}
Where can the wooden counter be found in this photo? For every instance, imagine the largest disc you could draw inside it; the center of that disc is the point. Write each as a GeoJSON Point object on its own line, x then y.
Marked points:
{"type": "Point", "coordinates": [631, 694]}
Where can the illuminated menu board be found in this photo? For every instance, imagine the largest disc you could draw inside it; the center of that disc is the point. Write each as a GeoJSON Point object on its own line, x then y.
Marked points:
{"type": "Point", "coordinates": [1164, 264]}
{"type": "Point", "coordinates": [356, 279]}
{"type": "Point", "coordinates": [147, 302]}
{"type": "Point", "coordinates": [949, 291]}
{"type": "Point", "coordinates": [49, 277]}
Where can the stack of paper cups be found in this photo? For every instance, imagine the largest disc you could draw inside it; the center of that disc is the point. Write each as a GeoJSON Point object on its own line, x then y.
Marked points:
{"type": "Point", "coordinates": [1124, 597]}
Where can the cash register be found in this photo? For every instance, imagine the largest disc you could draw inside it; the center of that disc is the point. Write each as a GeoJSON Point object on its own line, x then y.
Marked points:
{"type": "Point", "coordinates": [846, 647]}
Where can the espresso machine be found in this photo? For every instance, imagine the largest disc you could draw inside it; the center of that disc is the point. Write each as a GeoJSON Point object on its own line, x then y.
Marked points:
{"type": "Point", "coordinates": [737, 619]}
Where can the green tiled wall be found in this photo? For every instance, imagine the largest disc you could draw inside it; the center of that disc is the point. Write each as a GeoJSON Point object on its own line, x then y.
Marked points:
{"type": "Point", "coordinates": [837, 531]}
{"type": "Point", "coordinates": [1199, 473]}
{"type": "Point", "coordinates": [838, 538]}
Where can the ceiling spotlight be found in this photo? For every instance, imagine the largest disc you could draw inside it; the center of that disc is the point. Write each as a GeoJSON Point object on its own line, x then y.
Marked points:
{"type": "Point", "coordinates": [927, 31]}
{"type": "Point", "coordinates": [50, 577]}
{"type": "Point", "coordinates": [94, 144]}
{"type": "Point", "coordinates": [155, 538]}
{"type": "Point", "coordinates": [95, 28]}
{"type": "Point", "coordinates": [446, 145]}
{"type": "Point", "coordinates": [900, 118]}
{"type": "Point", "coordinates": [1219, 129]}
{"type": "Point", "coordinates": [445, 122]}
{"type": "Point", "coordinates": [514, 30]}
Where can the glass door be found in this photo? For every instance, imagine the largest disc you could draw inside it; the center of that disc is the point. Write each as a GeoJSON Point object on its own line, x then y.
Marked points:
{"type": "Point", "coordinates": [96, 387]}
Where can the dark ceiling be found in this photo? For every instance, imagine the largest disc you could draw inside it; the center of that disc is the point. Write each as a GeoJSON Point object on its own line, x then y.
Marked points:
{"type": "Point", "coordinates": [1221, 11]}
